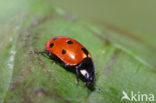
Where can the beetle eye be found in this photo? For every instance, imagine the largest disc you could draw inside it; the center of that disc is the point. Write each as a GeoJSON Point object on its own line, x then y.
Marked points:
{"type": "Point", "coordinates": [51, 45]}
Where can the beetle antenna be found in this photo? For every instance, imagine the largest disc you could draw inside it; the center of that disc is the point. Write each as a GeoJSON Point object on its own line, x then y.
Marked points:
{"type": "Point", "coordinates": [40, 52]}
{"type": "Point", "coordinates": [37, 52]}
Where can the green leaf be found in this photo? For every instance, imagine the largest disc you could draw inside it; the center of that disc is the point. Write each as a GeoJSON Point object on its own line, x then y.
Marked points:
{"type": "Point", "coordinates": [36, 79]}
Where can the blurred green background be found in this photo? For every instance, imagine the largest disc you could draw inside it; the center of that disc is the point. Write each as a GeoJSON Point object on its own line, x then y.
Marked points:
{"type": "Point", "coordinates": [120, 35]}
{"type": "Point", "coordinates": [135, 16]}
{"type": "Point", "coordinates": [135, 19]}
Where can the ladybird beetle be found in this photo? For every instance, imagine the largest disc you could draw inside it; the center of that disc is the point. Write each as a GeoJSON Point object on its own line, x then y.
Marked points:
{"type": "Point", "coordinates": [70, 53]}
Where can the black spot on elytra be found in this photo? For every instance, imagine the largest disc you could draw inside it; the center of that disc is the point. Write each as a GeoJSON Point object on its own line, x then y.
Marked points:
{"type": "Point", "coordinates": [51, 45]}
{"type": "Point", "coordinates": [69, 42]}
{"type": "Point", "coordinates": [85, 51]}
{"type": "Point", "coordinates": [64, 51]}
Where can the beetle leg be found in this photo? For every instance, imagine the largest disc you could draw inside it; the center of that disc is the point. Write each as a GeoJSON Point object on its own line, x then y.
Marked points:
{"type": "Point", "coordinates": [78, 76]}
{"type": "Point", "coordinates": [85, 83]}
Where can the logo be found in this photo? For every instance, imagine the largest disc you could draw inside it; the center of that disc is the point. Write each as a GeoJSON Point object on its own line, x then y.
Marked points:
{"type": "Point", "coordinates": [137, 96]}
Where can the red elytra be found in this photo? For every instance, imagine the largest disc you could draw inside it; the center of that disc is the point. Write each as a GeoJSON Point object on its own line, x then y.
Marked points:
{"type": "Point", "coordinates": [67, 49]}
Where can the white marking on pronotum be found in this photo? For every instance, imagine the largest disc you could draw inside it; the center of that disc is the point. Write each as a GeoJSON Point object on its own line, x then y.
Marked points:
{"type": "Point", "coordinates": [84, 73]}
